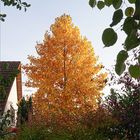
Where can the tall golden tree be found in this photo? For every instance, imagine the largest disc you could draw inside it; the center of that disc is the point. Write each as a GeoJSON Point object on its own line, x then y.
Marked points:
{"type": "Point", "coordinates": [66, 73]}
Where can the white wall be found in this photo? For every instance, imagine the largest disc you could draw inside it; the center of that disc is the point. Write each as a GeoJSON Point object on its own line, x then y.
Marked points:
{"type": "Point", "coordinates": [12, 99]}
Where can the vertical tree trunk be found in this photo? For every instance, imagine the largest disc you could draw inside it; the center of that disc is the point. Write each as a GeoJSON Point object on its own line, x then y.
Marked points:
{"type": "Point", "coordinates": [65, 77]}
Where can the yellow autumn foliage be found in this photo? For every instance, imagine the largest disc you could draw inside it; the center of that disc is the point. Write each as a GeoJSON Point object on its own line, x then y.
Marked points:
{"type": "Point", "coordinates": [66, 73]}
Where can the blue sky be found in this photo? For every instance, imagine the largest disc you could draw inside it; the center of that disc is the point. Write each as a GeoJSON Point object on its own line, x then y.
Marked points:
{"type": "Point", "coordinates": [21, 30]}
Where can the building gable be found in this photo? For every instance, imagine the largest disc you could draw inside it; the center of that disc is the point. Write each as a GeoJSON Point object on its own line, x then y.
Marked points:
{"type": "Point", "coordinates": [9, 72]}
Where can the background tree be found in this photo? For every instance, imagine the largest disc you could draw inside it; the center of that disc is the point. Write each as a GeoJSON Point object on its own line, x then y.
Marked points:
{"type": "Point", "coordinates": [24, 110]}
{"type": "Point", "coordinates": [124, 106]}
{"type": "Point", "coordinates": [15, 3]}
{"type": "Point", "coordinates": [66, 73]}
{"type": "Point", "coordinates": [123, 103]}
{"type": "Point", "coordinates": [126, 12]}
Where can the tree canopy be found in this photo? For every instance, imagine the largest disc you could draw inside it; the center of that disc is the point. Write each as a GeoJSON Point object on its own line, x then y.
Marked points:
{"type": "Point", "coordinates": [66, 73]}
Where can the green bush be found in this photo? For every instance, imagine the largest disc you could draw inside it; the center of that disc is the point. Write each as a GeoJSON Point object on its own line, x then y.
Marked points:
{"type": "Point", "coordinates": [8, 137]}
{"type": "Point", "coordinates": [44, 133]}
{"type": "Point", "coordinates": [32, 133]}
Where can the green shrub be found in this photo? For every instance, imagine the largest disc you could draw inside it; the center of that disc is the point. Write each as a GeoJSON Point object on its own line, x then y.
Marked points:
{"type": "Point", "coordinates": [32, 133]}
{"type": "Point", "coordinates": [43, 133]}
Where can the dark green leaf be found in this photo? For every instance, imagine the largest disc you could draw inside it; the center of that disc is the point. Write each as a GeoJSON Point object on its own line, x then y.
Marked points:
{"type": "Point", "coordinates": [25, 9]}
{"type": "Point", "coordinates": [129, 11]}
{"type": "Point", "coordinates": [28, 5]}
{"type": "Point", "coordinates": [117, 17]}
{"type": "Point", "coordinates": [117, 4]}
{"type": "Point", "coordinates": [129, 25]}
{"type": "Point", "coordinates": [132, 1]}
{"type": "Point", "coordinates": [14, 4]}
{"type": "Point", "coordinates": [24, 3]}
{"type": "Point", "coordinates": [100, 5]}
{"type": "Point", "coordinates": [4, 15]}
{"type": "Point", "coordinates": [139, 58]}
{"type": "Point", "coordinates": [120, 68]}
{"type": "Point", "coordinates": [137, 10]}
{"type": "Point", "coordinates": [139, 25]}
{"type": "Point", "coordinates": [2, 19]}
{"type": "Point", "coordinates": [18, 6]}
{"type": "Point", "coordinates": [132, 41]}
{"type": "Point", "coordinates": [108, 2]}
{"type": "Point", "coordinates": [134, 71]}
{"type": "Point", "coordinates": [5, 3]}
{"type": "Point", "coordinates": [120, 65]}
{"type": "Point", "coordinates": [109, 37]}
{"type": "Point", "coordinates": [92, 3]}
{"type": "Point", "coordinates": [122, 56]}
{"type": "Point", "coordinates": [9, 3]}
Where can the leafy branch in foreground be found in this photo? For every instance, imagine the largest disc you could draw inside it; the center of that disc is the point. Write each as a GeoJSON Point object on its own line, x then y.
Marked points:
{"type": "Point", "coordinates": [129, 16]}
{"type": "Point", "coordinates": [15, 3]}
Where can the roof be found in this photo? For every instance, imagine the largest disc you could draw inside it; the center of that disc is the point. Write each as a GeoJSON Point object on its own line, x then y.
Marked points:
{"type": "Point", "coordinates": [8, 70]}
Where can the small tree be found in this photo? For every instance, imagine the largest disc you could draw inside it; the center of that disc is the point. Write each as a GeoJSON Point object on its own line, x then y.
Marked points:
{"type": "Point", "coordinates": [24, 110]}
{"type": "Point", "coordinates": [124, 105]}
{"type": "Point", "coordinates": [66, 73]}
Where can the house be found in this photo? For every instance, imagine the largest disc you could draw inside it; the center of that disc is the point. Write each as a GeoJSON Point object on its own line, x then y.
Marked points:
{"type": "Point", "coordinates": [10, 88]}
